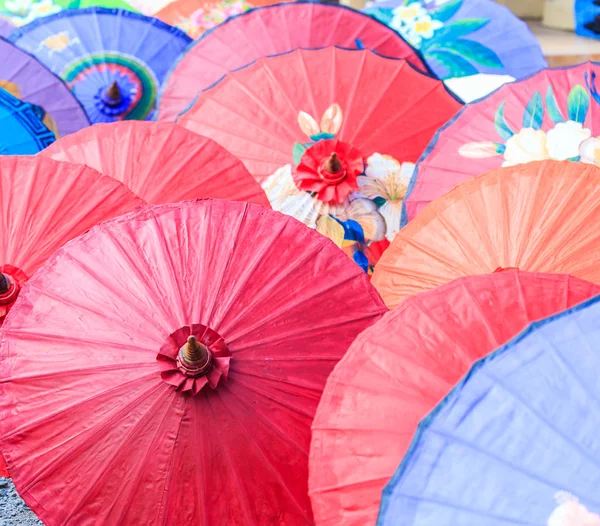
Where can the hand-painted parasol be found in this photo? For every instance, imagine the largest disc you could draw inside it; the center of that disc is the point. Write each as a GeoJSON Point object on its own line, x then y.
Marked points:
{"type": "Point", "coordinates": [168, 365]}
{"type": "Point", "coordinates": [160, 162]}
{"type": "Point", "coordinates": [197, 16]}
{"type": "Point", "coordinates": [464, 38]}
{"type": "Point", "coordinates": [113, 60]}
{"type": "Point", "coordinates": [398, 369]}
{"type": "Point", "coordinates": [328, 148]}
{"type": "Point", "coordinates": [539, 217]}
{"type": "Point", "coordinates": [45, 203]}
{"type": "Point", "coordinates": [273, 30]}
{"type": "Point", "coordinates": [22, 131]}
{"type": "Point", "coordinates": [25, 78]}
{"type": "Point", "coordinates": [551, 115]}
{"type": "Point", "coordinates": [5, 27]}
{"type": "Point", "coordinates": [516, 441]}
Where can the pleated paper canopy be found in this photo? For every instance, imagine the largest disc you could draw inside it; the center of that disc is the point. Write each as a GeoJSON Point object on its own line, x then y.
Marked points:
{"type": "Point", "coordinates": [45, 204]}
{"type": "Point", "coordinates": [516, 442]}
{"type": "Point", "coordinates": [25, 78]}
{"type": "Point", "coordinates": [539, 217]}
{"type": "Point", "coordinates": [398, 369]}
{"type": "Point", "coordinates": [316, 128]}
{"type": "Point", "coordinates": [462, 38]}
{"type": "Point", "coordinates": [551, 115]}
{"type": "Point", "coordinates": [113, 60]}
{"type": "Point", "coordinates": [22, 131]}
{"type": "Point", "coordinates": [167, 366]}
{"type": "Point", "coordinates": [273, 30]}
{"type": "Point", "coordinates": [160, 162]}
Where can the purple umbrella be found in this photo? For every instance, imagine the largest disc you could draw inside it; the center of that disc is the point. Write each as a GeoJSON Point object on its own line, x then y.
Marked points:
{"type": "Point", "coordinates": [5, 27]}
{"type": "Point", "coordinates": [28, 80]}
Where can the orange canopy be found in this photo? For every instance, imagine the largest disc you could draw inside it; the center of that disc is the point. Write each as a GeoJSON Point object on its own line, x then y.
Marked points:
{"type": "Point", "coordinates": [540, 217]}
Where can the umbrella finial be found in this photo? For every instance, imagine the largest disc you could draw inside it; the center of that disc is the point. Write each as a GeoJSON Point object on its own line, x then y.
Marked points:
{"type": "Point", "coordinates": [195, 354]}
{"type": "Point", "coordinates": [4, 284]}
{"type": "Point", "coordinates": [113, 92]}
{"type": "Point", "coordinates": [333, 164]}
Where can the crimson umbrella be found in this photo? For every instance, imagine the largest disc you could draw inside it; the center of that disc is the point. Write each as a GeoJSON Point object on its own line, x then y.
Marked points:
{"type": "Point", "coordinates": [167, 366]}
{"type": "Point", "coordinates": [46, 203]}
{"type": "Point", "coordinates": [331, 134]}
{"type": "Point", "coordinates": [160, 162]}
{"type": "Point", "coordinates": [398, 369]}
{"type": "Point", "coordinates": [273, 30]}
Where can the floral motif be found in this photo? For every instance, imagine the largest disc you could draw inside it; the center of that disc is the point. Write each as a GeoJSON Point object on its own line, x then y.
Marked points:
{"type": "Point", "coordinates": [22, 12]}
{"type": "Point", "coordinates": [211, 15]}
{"type": "Point", "coordinates": [427, 25]}
{"type": "Point", "coordinates": [362, 214]}
{"type": "Point", "coordinates": [58, 42]}
{"type": "Point", "coordinates": [570, 512]}
{"type": "Point", "coordinates": [567, 139]}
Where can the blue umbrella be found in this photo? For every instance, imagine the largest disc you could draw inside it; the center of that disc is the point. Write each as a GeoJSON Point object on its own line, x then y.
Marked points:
{"type": "Point", "coordinates": [464, 37]}
{"type": "Point", "coordinates": [22, 131]}
{"type": "Point", "coordinates": [516, 442]}
{"type": "Point", "coordinates": [113, 60]}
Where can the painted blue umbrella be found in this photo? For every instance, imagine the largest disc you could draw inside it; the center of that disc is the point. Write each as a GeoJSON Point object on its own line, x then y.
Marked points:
{"type": "Point", "coordinates": [22, 131]}
{"type": "Point", "coordinates": [516, 442]}
{"type": "Point", "coordinates": [462, 38]}
{"type": "Point", "coordinates": [113, 60]}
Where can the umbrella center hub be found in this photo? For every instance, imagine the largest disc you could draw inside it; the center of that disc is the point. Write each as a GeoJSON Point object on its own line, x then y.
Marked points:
{"type": "Point", "coordinates": [112, 100]}
{"type": "Point", "coordinates": [11, 281]}
{"type": "Point", "coordinates": [331, 169]}
{"type": "Point", "coordinates": [194, 358]}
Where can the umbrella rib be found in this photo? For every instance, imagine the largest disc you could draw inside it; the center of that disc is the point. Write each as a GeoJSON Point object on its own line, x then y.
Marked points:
{"type": "Point", "coordinates": [260, 451]}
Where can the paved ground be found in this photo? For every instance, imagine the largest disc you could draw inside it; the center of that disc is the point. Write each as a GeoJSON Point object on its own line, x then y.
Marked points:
{"type": "Point", "coordinates": [13, 511]}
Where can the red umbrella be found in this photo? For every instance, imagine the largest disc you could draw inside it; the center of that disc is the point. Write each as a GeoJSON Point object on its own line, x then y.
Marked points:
{"type": "Point", "coordinates": [273, 30]}
{"type": "Point", "coordinates": [160, 162]}
{"type": "Point", "coordinates": [45, 204]}
{"type": "Point", "coordinates": [331, 134]}
{"type": "Point", "coordinates": [401, 367]}
{"type": "Point", "coordinates": [123, 419]}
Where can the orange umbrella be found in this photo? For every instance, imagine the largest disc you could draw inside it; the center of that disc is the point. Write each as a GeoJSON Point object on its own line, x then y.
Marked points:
{"type": "Point", "coordinates": [197, 16]}
{"type": "Point", "coordinates": [540, 217]}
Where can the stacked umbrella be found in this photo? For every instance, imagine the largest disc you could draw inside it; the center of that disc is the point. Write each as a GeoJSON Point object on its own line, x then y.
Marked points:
{"type": "Point", "coordinates": [195, 324]}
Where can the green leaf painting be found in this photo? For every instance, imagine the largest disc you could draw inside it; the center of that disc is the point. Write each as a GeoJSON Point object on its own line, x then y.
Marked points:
{"type": "Point", "coordinates": [457, 29]}
{"type": "Point", "coordinates": [471, 50]}
{"type": "Point", "coordinates": [501, 126]}
{"type": "Point", "coordinates": [578, 103]}
{"type": "Point", "coordinates": [298, 152]}
{"type": "Point", "coordinates": [552, 106]}
{"type": "Point", "coordinates": [453, 62]}
{"type": "Point", "coordinates": [534, 112]}
{"type": "Point", "coordinates": [447, 10]}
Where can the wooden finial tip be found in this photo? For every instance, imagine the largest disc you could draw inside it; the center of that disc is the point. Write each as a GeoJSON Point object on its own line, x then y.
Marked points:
{"type": "Point", "coordinates": [113, 91]}
{"type": "Point", "coordinates": [333, 164]}
{"type": "Point", "coordinates": [194, 352]}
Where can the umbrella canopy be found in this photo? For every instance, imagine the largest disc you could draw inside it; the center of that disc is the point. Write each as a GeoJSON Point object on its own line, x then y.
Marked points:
{"type": "Point", "coordinates": [273, 30]}
{"type": "Point", "coordinates": [5, 27]}
{"type": "Point", "coordinates": [160, 162]}
{"type": "Point", "coordinates": [21, 130]}
{"type": "Point", "coordinates": [195, 17]}
{"type": "Point", "coordinates": [461, 38]}
{"type": "Point", "coordinates": [195, 369]}
{"type": "Point", "coordinates": [516, 441]}
{"type": "Point", "coordinates": [46, 203]}
{"type": "Point", "coordinates": [551, 115]}
{"type": "Point", "coordinates": [398, 369]}
{"type": "Point", "coordinates": [334, 150]}
{"type": "Point", "coordinates": [113, 60]}
{"type": "Point", "coordinates": [539, 217]}
{"type": "Point", "coordinates": [27, 79]}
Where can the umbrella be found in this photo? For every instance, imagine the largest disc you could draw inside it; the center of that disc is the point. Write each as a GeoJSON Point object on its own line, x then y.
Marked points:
{"type": "Point", "coordinates": [113, 60]}
{"type": "Point", "coordinates": [45, 203]}
{"type": "Point", "coordinates": [516, 441]}
{"type": "Point", "coordinates": [160, 162]}
{"type": "Point", "coordinates": [5, 27]}
{"type": "Point", "coordinates": [25, 78]}
{"type": "Point", "coordinates": [21, 130]}
{"type": "Point", "coordinates": [540, 217]}
{"type": "Point", "coordinates": [180, 353]}
{"type": "Point", "coordinates": [548, 116]}
{"type": "Point", "coordinates": [273, 30]}
{"type": "Point", "coordinates": [328, 148]}
{"type": "Point", "coordinates": [398, 369]}
{"type": "Point", "coordinates": [195, 17]}
{"type": "Point", "coordinates": [464, 38]}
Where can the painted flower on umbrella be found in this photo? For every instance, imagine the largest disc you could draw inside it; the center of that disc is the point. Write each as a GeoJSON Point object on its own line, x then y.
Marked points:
{"type": "Point", "coordinates": [332, 186]}
{"type": "Point", "coordinates": [21, 12]}
{"type": "Point", "coordinates": [211, 15]}
{"type": "Point", "coordinates": [568, 139]}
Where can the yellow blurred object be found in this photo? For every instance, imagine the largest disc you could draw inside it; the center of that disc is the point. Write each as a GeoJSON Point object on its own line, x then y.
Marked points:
{"type": "Point", "coordinates": [524, 8]}
{"type": "Point", "coordinates": [559, 14]}
{"type": "Point", "coordinates": [356, 4]}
